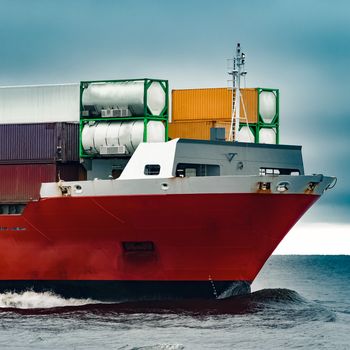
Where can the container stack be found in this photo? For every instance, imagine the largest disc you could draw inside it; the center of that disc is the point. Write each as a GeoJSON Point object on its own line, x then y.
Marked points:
{"type": "Point", "coordinates": [117, 115]}
{"type": "Point", "coordinates": [48, 131]}
{"type": "Point", "coordinates": [195, 111]}
{"type": "Point", "coordinates": [39, 141]}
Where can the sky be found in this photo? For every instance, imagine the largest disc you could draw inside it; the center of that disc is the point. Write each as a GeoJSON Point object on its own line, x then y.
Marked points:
{"type": "Point", "coordinates": [301, 47]}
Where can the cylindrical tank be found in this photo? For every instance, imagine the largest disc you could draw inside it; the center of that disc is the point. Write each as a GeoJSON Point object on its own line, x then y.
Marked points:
{"type": "Point", "coordinates": [267, 135]}
{"type": "Point", "coordinates": [87, 138]}
{"type": "Point", "coordinates": [112, 135]}
{"type": "Point", "coordinates": [267, 106]}
{"type": "Point", "coordinates": [125, 95]}
{"type": "Point", "coordinates": [128, 134]}
{"type": "Point", "coordinates": [100, 134]}
{"type": "Point", "coordinates": [245, 134]}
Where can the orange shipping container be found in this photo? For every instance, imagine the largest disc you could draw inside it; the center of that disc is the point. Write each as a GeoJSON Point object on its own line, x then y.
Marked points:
{"type": "Point", "coordinates": [199, 130]}
{"type": "Point", "coordinates": [212, 104]}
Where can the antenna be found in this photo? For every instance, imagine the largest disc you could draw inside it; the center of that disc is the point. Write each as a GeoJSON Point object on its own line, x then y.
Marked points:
{"type": "Point", "coordinates": [236, 71]}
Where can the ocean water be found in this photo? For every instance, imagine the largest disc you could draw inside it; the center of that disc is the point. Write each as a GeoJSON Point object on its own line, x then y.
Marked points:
{"type": "Point", "coordinates": [297, 302]}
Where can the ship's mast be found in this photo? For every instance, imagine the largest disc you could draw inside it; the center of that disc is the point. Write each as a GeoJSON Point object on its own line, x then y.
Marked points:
{"type": "Point", "coordinates": [236, 72]}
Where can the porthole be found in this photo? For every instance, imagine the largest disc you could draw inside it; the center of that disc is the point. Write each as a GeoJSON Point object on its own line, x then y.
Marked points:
{"type": "Point", "coordinates": [165, 186]}
{"type": "Point", "coordinates": [78, 189]}
{"type": "Point", "coordinates": [283, 186]}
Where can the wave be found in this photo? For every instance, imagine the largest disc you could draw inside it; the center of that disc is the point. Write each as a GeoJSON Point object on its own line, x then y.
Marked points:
{"type": "Point", "coordinates": [33, 300]}
{"type": "Point", "coordinates": [277, 295]}
{"type": "Point", "coordinates": [289, 306]}
{"type": "Point", "coordinates": [156, 347]}
{"type": "Point", "coordinates": [282, 303]}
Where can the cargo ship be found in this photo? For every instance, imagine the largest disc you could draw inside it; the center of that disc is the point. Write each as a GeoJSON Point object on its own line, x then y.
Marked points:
{"type": "Point", "coordinates": [97, 202]}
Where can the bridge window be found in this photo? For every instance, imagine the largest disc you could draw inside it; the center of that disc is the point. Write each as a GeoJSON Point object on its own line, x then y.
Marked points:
{"type": "Point", "coordinates": [190, 169]}
{"type": "Point", "coordinates": [278, 171]}
{"type": "Point", "coordinates": [152, 169]}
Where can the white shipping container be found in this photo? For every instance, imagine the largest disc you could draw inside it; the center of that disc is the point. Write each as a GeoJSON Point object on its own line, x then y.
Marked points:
{"type": "Point", "coordinates": [39, 103]}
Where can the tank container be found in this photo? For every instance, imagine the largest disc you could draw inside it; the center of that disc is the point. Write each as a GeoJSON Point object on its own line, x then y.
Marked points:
{"type": "Point", "coordinates": [139, 97]}
{"type": "Point", "coordinates": [117, 115]}
{"type": "Point", "coordinates": [113, 134]}
{"type": "Point", "coordinates": [268, 107]}
{"type": "Point", "coordinates": [246, 134]}
{"type": "Point", "coordinates": [268, 135]}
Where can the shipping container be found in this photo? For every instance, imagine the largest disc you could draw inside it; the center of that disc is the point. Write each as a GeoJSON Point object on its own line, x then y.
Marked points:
{"type": "Point", "coordinates": [43, 142]}
{"type": "Point", "coordinates": [20, 183]}
{"type": "Point", "coordinates": [191, 130]}
{"type": "Point", "coordinates": [40, 103]}
{"type": "Point", "coordinates": [212, 104]}
{"type": "Point", "coordinates": [195, 111]}
{"type": "Point", "coordinates": [199, 129]}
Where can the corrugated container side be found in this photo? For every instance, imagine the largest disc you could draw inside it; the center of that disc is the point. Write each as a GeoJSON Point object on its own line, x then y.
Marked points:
{"type": "Point", "coordinates": [70, 142]}
{"type": "Point", "coordinates": [197, 104]}
{"type": "Point", "coordinates": [40, 104]}
{"type": "Point", "coordinates": [250, 99]}
{"type": "Point", "coordinates": [212, 104]}
{"type": "Point", "coordinates": [199, 129]}
{"type": "Point", "coordinates": [45, 142]}
{"type": "Point", "coordinates": [191, 130]}
{"type": "Point", "coordinates": [21, 182]}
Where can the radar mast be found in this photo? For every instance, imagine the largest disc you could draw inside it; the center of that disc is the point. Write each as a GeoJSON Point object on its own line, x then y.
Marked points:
{"type": "Point", "coordinates": [237, 72]}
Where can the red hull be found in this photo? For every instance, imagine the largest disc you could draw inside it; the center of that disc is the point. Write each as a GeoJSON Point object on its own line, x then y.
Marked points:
{"type": "Point", "coordinates": [197, 237]}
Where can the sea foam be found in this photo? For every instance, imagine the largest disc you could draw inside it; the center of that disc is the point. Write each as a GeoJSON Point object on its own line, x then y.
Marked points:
{"type": "Point", "coordinates": [33, 300]}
